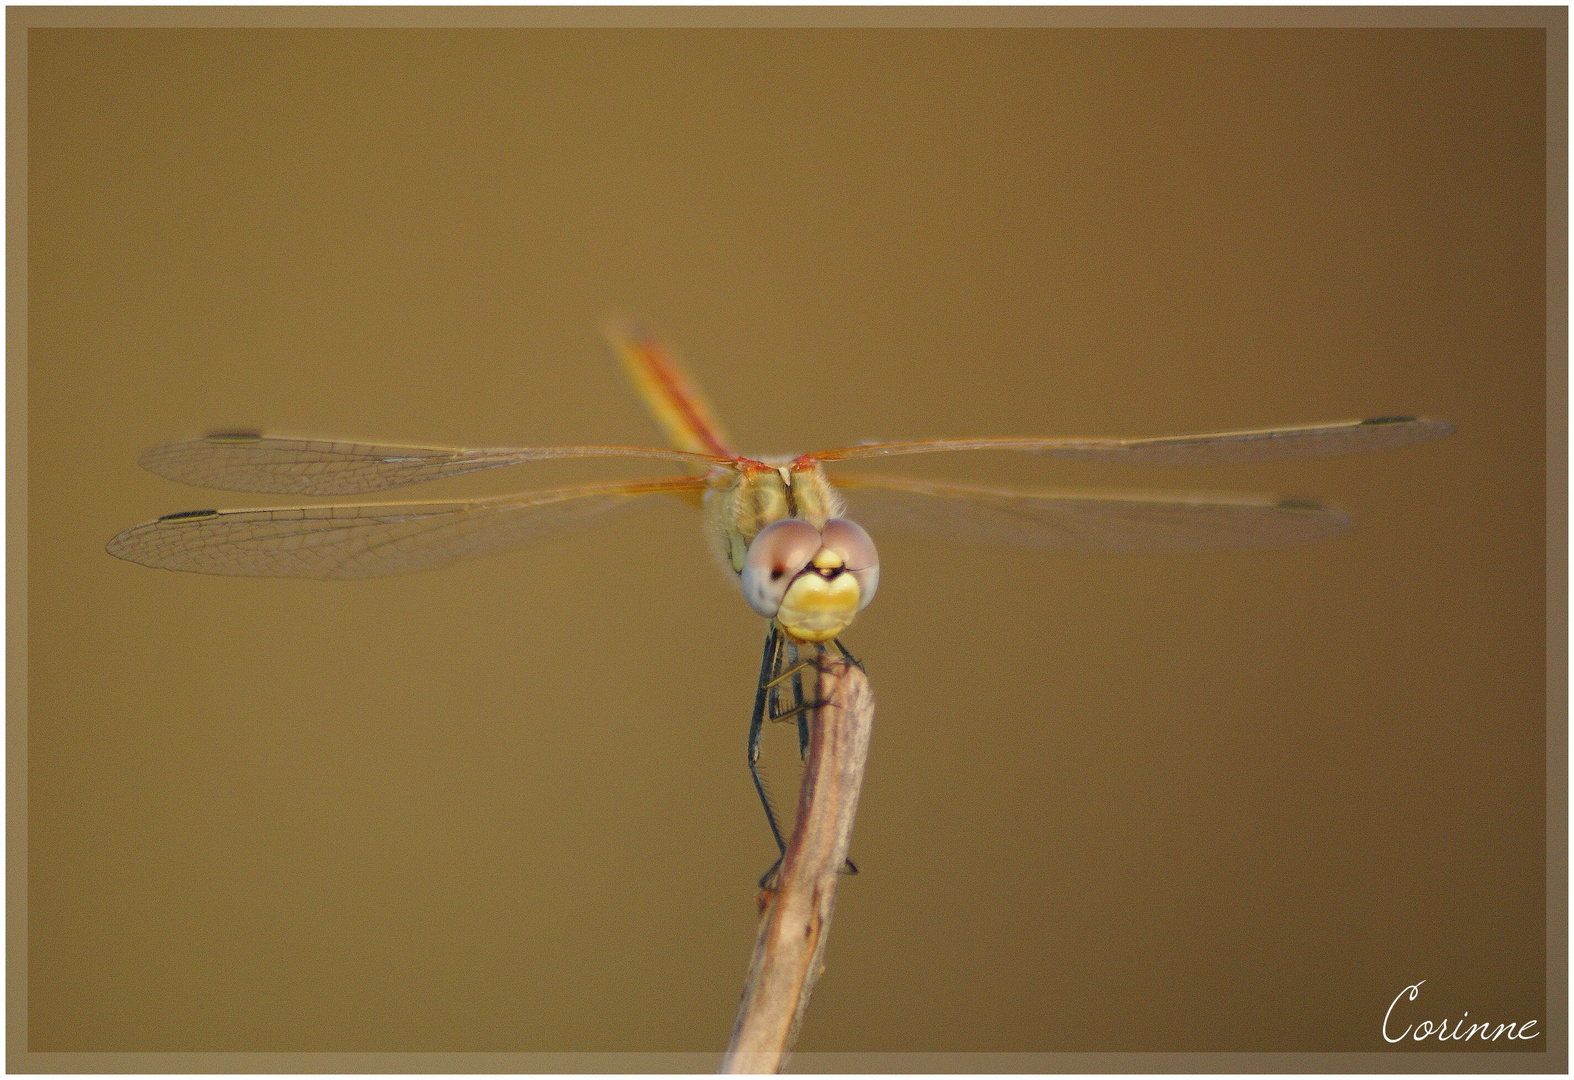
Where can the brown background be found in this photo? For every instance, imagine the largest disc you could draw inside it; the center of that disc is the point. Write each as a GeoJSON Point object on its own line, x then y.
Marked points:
{"type": "Point", "coordinates": [1221, 802]}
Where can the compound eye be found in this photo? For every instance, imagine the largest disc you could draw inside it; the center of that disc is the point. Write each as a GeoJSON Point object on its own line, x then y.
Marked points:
{"type": "Point", "coordinates": [856, 547]}
{"type": "Point", "coordinates": [779, 553]}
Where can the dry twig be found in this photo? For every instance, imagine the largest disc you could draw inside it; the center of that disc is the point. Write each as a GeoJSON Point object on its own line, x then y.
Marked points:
{"type": "Point", "coordinates": [797, 911]}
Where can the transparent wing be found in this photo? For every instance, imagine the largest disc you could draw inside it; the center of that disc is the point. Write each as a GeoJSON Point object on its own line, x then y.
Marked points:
{"type": "Point", "coordinates": [371, 539]}
{"type": "Point", "coordinates": [1266, 444]}
{"type": "Point", "coordinates": [1085, 520]}
{"type": "Point", "coordinates": [251, 461]}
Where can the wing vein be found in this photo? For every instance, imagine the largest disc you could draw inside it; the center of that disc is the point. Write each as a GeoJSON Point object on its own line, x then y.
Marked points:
{"type": "Point", "coordinates": [1263, 444]}
{"type": "Point", "coordinates": [372, 539]}
{"type": "Point", "coordinates": [1088, 521]}
{"type": "Point", "coordinates": [302, 466]}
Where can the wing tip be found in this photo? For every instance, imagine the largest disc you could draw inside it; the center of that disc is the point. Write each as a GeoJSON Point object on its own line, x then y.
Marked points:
{"type": "Point", "coordinates": [1421, 427]}
{"type": "Point", "coordinates": [154, 458]}
{"type": "Point", "coordinates": [153, 455]}
{"type": "Point", "coordinates": [1337, 520]}
{"type": "Point", "coordinates": [121, 546]}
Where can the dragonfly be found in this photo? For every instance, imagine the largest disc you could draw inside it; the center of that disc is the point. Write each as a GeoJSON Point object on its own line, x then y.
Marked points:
{"type": "Point", "coordinates": [779, 525]}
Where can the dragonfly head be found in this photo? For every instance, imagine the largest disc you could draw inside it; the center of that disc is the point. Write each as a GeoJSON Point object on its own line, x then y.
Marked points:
{"type": "Point", "coordinates": [811, 581]}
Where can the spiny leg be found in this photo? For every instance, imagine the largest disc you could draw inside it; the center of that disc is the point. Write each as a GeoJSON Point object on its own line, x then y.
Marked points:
{"type": "Point", "coordinates": [780, 652]}
{"type": "Point", "coordinates": [851, 659]}
{"type": "Point", "coordinates": [801, 706]}
{"type": "Point", "coordinates": [803, 716]}
{"type": "Point", "coordinates": [768, 664]}
{"type": "Point", "coordinates": [799, 709]}
{"type": "Point", "coordinates": [795, 668]}
{"type": "Point", "coordinates": [767, 879]}
{"type": "Point", "coordinates": [802, 709]}
{"type": "Point", "coordinates": [786, 657]}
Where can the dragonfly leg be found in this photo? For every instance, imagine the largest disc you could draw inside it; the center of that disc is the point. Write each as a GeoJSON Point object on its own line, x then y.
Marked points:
{"type": "Point", "coordinates": [778, 715]}
{"type": "Point", "coordinates": [767, 879]}
{"type": "Point", "coordinates": [768, 665]}
{"type": "Point", "coordinates": [796, 669]}
{"type": "Point", "coordinates": [851, 659]}
{"type": "Point", "coordinates": [803, 708]}
{"type": "Point", "coordinates": [803, 717]}
{"type": "Point", "coordinates": [766, 698]}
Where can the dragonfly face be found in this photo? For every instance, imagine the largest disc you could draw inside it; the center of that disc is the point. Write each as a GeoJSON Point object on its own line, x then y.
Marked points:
{"type": "Point", "coordinates": [811, 581]}
{"type": "Point", "coordinates": [779, 528]}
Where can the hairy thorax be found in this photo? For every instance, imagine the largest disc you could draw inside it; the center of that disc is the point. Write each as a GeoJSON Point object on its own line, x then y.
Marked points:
{"type": "Point", "coordinates": [740, 503]}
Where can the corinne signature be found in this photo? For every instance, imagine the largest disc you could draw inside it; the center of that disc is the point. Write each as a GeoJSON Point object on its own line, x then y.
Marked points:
{"type": "Point", "coordinates": [1426, 1029]}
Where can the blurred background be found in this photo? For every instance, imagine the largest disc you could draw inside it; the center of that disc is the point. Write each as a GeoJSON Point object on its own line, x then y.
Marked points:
{"type": "Point", "coordinates": [1230, 801]}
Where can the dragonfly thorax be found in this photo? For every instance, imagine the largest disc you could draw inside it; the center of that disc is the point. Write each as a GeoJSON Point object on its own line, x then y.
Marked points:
{"type": "Point", "coordinates": [743, 501]}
